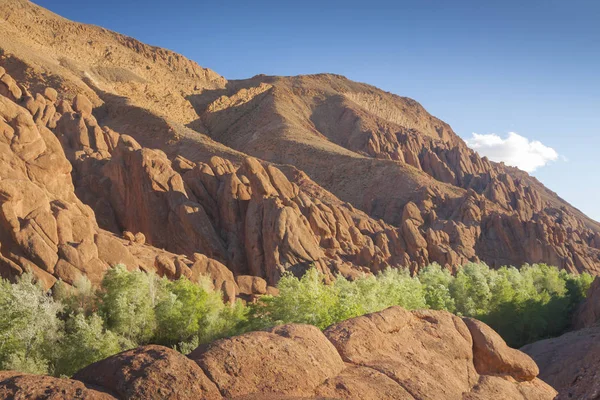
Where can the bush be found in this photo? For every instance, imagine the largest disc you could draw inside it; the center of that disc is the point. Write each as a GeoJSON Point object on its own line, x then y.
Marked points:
{"type": "Point", "coordinates": [436, 282]}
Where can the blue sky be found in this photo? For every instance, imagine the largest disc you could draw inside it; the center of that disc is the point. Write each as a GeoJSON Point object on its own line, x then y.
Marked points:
{"type": "Point", "coordinates": [530, 67]}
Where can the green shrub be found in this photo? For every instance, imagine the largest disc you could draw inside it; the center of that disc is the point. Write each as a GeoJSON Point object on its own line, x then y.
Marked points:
{"type": "Point", "coordinates": [79, 298]}
{"type": "Point", "coordinates": [521, 305]}
{"type": "Point", "coordinates": [306, 300]}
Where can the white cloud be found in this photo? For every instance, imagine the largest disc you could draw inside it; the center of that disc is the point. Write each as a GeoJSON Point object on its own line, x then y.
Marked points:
{"type": "Point", "coordinates": [514, 150]}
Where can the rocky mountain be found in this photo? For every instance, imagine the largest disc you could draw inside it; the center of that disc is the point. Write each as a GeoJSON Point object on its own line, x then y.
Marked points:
{"type": "Point", "coordinates": [103, 135]}
{"type": "Point", "coordinates": [394, 354]}
{"type": "Point", "coordinates": [116, 152]}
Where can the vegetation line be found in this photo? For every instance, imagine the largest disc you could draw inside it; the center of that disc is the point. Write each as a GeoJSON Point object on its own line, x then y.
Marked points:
{"type": "Point", "coordinates": [61, 332]}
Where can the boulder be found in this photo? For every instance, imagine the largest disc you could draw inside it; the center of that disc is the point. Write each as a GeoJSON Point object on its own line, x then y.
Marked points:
{"type": "Point", "coordinates": [291, 360]}
{"type": "Point", "coordinates": [428, 353]}
{"type": "Point", "coordinates": [150, 372]}
{"type": "Point", "coordinates": [16, 385]}
{"type": "Point", "coordinates": [250, 285]}
{"type": "Point", "coordinates": [492, 356]}
{"type": "Point", "coordinates": [83, 105]}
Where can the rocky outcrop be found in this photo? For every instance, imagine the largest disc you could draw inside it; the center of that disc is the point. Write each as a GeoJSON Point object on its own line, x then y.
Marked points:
{"type": "Point", "coordinates": [271, 363]}
{"type": "Point", "coordinates": [393, 354]}
{"type": "Point", "coordinates": [571, 362]}
{"type": "Point", "coordinates": [493, 356]}
{"type": "Point", "coordinates": [44, 227]}
{"type": "Point", "coordinates": [150, 372]}
{"type": "Point", "coordinates": [250, 217]}
{"type": "Point", "coordinates": [432, 354]}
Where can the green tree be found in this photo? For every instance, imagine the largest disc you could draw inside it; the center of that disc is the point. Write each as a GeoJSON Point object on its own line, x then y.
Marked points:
{"type": "Point", "coordinates": [29, 326]}
{"type": "Point", "coordinates": [470, 289]}
{"type": "Point", "coordinates": [85, 342]}
{"type": "Point", "coordinates": [306, 300]}
{"type": "Point", "coordinates": [187, 310]}
{"type": "Point", "coordinates": [436, 282]}
{"type": "Point", "coordinates": [127, 301]}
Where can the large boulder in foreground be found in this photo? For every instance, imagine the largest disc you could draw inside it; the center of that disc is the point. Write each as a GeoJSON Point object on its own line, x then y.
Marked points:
{"type": "Point", "coordinates": [392, 354]}
{"type": "Point", "coordinates": [492, 356]}
{"type": "Point", "coordinates": [150, 372]}
{"type": "Point", "coordinates": [425, 355]}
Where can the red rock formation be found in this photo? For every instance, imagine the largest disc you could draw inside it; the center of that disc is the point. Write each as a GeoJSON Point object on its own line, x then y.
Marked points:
{"type": "Point", "coordinates": [44, 227]}
{"type": "Point", "coordinates": [134, 132]}
{"type": "Point", "coordinates": [588, 313]}
{"type": "Point", "coordinates": [271, 363]}
{"type": "Point", "coordinates": [355, 127]}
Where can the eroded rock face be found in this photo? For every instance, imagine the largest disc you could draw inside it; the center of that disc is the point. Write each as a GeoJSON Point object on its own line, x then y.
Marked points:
{"type": "Point", "coordinates": [44, 227]}
{"type": "Point", "coordinates": [250, 217]}
{"type": "Point", "coordinates": [168, 157]}
{"type": "Point", "coordinates": [382, 152]}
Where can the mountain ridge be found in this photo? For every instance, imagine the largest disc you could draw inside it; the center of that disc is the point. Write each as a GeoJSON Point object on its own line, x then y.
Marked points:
{"type": "Point", "coordinates": [372, 178]}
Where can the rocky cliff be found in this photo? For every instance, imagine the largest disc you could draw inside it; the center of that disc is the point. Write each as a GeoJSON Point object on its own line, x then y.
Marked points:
{"type": "Point", "coordinates": [259, 176]}
{"type": "Point", "coordinates": [393, 354]}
